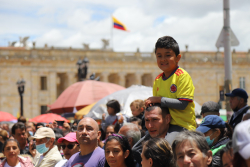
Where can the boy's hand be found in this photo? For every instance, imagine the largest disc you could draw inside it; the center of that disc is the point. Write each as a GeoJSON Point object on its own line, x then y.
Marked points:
{"type": "Point", "coordinates": [152, 100]}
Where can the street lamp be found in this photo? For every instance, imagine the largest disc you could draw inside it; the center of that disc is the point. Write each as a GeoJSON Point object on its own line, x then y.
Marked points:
{"type": "Point", "coordinates": [20, 87]}
{"type": "Point", "coordinates": [82, 68]}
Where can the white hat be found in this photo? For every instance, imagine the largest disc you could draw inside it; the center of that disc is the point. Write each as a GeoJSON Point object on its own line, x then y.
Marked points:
{"type": "Point", "coordinates": [241, 139]}
{"type": "Point", "coordinates": [43, 132]}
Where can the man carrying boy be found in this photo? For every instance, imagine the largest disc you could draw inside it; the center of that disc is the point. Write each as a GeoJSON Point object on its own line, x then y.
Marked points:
{"type": "Point", "coordinates": [174, 87]}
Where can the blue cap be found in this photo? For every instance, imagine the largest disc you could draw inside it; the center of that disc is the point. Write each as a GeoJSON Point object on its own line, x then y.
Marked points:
{"type": "Point", "coordinates": [238, 92]}
{"type": "Point", "coordinates": [211, 122]}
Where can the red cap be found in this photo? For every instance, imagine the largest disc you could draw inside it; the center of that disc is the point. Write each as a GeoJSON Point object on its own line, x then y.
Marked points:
{"type": "Point", "coordinates": [70, 137]}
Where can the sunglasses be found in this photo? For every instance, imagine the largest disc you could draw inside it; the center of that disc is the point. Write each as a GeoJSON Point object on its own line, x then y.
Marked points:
{"type": "Point", "coordinates": [70, 146]}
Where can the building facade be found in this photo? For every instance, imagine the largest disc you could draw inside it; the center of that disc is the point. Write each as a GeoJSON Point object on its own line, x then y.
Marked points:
{"type": "Point", "coordinates": [49, 71]}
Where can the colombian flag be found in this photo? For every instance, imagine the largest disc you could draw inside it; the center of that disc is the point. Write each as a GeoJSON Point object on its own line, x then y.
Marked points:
{"type": "Point", "coordinates": [118, 24]}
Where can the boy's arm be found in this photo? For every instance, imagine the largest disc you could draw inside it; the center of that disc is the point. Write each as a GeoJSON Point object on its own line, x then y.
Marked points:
{"type": "Point", "coordinates": [173, 103]}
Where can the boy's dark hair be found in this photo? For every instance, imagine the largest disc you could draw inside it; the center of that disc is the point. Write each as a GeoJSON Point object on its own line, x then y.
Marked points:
{"type": "Point", "coordinates": [115, 105]}
{"type": "Point", "coordinates": [168, 42]}
{"type": "Point", "coordinates": [129, 161]}
{"type": "Point", "coordinates": [18, 125]}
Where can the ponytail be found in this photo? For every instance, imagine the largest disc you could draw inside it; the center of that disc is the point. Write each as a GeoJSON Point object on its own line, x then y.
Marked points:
{"type": "Point", "coordinates": [226, 132]}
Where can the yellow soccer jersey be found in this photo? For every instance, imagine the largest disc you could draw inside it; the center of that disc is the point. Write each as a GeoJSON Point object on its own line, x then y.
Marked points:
{"type": "Point", "coordinates": [178, 85]}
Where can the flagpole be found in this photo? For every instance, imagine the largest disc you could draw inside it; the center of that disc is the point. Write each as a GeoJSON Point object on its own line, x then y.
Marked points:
{"type": "Point", "coordinates": [112, 24]}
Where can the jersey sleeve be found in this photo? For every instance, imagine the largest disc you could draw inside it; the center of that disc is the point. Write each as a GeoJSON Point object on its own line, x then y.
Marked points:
{"type": "Point", "coordinates": [186, 88]}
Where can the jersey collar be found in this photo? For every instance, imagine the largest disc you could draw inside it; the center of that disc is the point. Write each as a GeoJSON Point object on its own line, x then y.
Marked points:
{"type": "Point", "coordinates": [164, 78]}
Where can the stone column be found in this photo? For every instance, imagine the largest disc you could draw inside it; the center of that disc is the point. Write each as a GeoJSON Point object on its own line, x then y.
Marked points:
{"type": "Point", "coordinates": [71, 78]}
{"type": "Point", "coordinates": [52, 87]}
{"type": "Point", "coordinates": [105, 76]}
{"type": "Point", "coordinates": [122, 76]}
{"type": "Point", "coordinates": [138, 76]}
{"type": "Point", "coordinates": [154, 75]}
{"type": "Point", "coordinates": [35, 88]}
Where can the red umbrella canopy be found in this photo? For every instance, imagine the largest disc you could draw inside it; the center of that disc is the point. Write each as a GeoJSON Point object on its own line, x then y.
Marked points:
{"type": "Point", "coordinates": [47, 118]}
{"type": "Point", "coordinates": [81, 94]}
{"type": "Point", "coordinates": [5, 116]}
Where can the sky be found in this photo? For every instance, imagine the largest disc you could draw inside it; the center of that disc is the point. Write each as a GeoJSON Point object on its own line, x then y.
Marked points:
{"type": "Point", "coordinates": [70, 23]}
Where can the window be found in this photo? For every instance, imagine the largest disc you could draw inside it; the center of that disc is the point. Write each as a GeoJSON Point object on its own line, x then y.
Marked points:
{"type": "Point", "coordinates": [242, 83]}
{"type": "Point", "coordinates": [43, 83]}
{"type": "Point", "coordinates": [43, 109]}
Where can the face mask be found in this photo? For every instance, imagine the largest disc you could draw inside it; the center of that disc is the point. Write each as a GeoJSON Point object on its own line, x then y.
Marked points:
{"type": "Point", "coordinates": [41, 148]}
{"type": "Point", "coordinates": [31, 133]}
{"type": "Point", "coordinates": [209, 141]}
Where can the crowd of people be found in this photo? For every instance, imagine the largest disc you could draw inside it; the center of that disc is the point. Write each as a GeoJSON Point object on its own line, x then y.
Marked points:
{"type": "Point", "coordinates": [161, 133]}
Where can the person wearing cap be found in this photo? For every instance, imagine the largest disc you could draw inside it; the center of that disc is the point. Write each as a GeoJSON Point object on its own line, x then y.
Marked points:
{"type": "Point", "coordinates": [241, 144]}
{"type": "Point", "coordinates": [90, 154]}
{"type": "Point", "coordinates": [238, 103]}
{"type": "Point", "coordinates": [210, 108]}
{"type": "Point", "coordinates": [217, 133]}
{"type": "Point", "coordinates": [45, 154]}
{"type": "Point", "coordinates": [69, 145]}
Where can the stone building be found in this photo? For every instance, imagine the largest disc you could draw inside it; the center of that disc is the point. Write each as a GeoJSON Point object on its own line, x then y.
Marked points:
{"type": "Point", "coordinates": [48, 71]}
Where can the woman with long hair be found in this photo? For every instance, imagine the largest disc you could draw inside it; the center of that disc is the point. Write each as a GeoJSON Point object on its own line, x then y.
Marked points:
{"type": "Point", "coordinates": [11, 150]}
{"type": "Point", "coordinates": [118, 152]}
{"type": "Point", "coordinates": [157, 152]}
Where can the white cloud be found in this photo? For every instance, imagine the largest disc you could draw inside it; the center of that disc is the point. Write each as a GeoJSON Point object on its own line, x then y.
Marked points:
{"type": "Point", "coordinates": [71, 23]}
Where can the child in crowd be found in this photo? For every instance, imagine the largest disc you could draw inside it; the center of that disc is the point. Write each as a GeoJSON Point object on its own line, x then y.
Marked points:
{"type": "Point", "coordinates": [114, 117]}
{"type": "Point", "coordinates": [137, 107]}
{"type": "Point", "coordinates": [110, 129]}
{"type": "Point", "coordinates": [174, 87]}
{"type": "Point", "coordinates": [118, 152]}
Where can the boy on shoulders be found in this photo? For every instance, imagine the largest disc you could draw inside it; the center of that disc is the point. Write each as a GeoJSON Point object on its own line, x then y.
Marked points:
{"type": "Point", "coordinates": [174, 87]}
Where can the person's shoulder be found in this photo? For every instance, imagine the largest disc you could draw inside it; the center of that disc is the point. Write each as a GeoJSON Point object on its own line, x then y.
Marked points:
{"type": "Point", "coordinates": [159, 76]}
{"type": "Point", "coordinates": [139, 143]}
{"type": "Point", "coordinates": [98, 151]}
{"type": "Point", "coordinates": [61, 163]}
{"type": "Point", "coordinates": [98, 154]}
{"type": "Point", "coordinates": [74, 156]}
{"type": "Point", "coordinates": [181, 72]}
{"type": "Point", "coordinates": [54, 154]}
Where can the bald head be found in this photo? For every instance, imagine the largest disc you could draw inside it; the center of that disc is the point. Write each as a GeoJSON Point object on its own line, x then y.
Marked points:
{"type": "Point", "coordinates": [87, 133]}
{"type": "Point", "coordinates": [91, 121]}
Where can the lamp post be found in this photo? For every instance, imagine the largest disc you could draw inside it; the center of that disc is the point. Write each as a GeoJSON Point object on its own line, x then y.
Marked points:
{"type": "Point", "coordinates": [82, 68]}
{"type": "Point", "coordinates": [20, 87]}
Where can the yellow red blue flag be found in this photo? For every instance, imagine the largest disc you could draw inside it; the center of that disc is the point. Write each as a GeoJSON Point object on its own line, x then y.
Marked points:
{"type": "Point", "coordinates": [119, 25]}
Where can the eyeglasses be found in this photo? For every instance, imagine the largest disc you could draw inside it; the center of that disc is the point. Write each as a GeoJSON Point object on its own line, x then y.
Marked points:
{"type": "Point", "coordinates": [70, 146]}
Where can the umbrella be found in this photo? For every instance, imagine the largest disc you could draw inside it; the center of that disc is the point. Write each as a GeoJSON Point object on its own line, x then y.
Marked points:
{"type": "Point", "coordinates": [7, 117]}
{"type": "Point", "coordinates": [125, 98]}
{"type": "Point", "coordinates": [47, 118]}
{"type": "Point", "coordinates": [83, 111]}
{"type": "Point", "coordinates": [81, 94]}
{"type": "Point", "coordinates": [197, 108]}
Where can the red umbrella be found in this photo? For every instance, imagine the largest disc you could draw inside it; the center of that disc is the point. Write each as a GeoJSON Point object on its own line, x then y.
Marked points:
{"type": "Point", "coordinates": [81, 94]}
{"type": "Point", "coordinates": [5, 116]}
{"type": "Point", "coordinates": [47, 118]}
